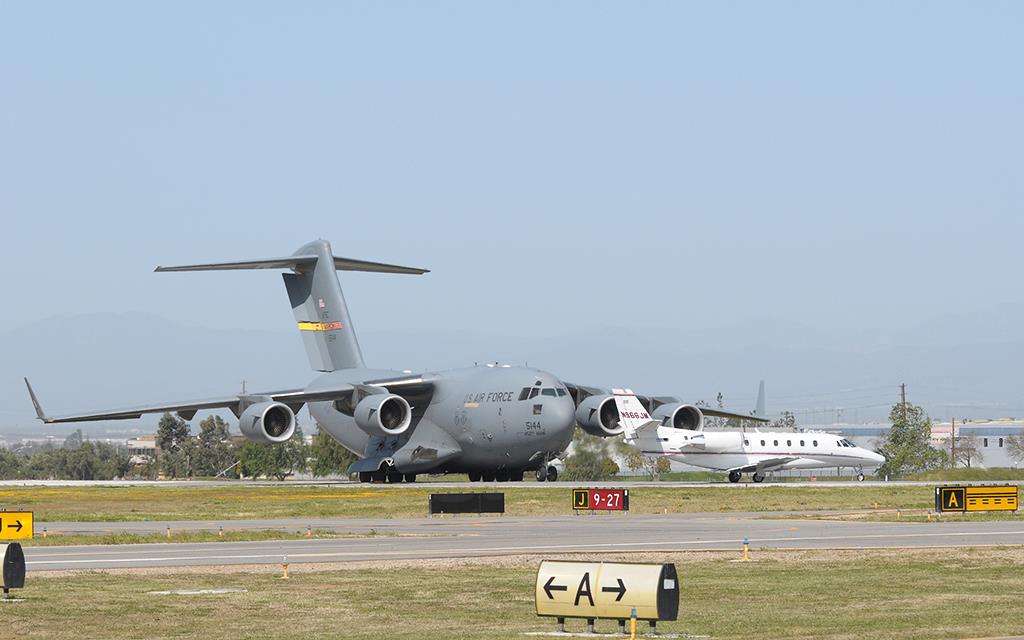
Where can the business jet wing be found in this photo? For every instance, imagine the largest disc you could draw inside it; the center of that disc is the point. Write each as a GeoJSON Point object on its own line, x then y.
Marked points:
{"type": "Point", "coordinates": [769, 464]}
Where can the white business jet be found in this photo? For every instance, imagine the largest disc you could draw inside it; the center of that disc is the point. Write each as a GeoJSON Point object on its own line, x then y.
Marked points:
{"type": "Point", "coordinates": [738, 452]}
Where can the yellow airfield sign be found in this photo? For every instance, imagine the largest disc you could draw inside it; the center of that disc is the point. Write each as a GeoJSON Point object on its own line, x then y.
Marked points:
{"type": "Point", "coordinates": [985, 498]}
{"type": "Point", "coordinates": [15, 525]}
{"type": "Point", "coordinates": [609, 590]}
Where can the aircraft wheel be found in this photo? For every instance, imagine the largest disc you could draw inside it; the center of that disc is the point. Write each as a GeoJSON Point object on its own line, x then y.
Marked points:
{"type": "Point", "coordinates": [860, 477]}
{"type": "Point", "coordinates": [734, 476]}
{"type": "Point", "coordinates": [488, 476]}
{"type": "Point", "coordinates": [410, 477]}
{"type": "Point", "coordinates": [757, 477]}
{"type": "Point", "coordinates": [502, 475]}
{"type": "Point", "coordinates": [552, 474]}
{"type": "Point", "coordinates": [394, 477]}
{"type": "Point", "coordinates": [474, 476]}
{"type": "Point", "coordinates": [540, 475]}
{"type": "Point", "coordinates": [365, 476]}
{"type": "Point", "coordinates": [378, 476]}
{"type": "Point", "coordinates": [516, 476]}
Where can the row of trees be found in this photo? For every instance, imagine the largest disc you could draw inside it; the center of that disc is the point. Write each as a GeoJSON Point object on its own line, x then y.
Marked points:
{"type": "Point", "coordinates": [211, 452]}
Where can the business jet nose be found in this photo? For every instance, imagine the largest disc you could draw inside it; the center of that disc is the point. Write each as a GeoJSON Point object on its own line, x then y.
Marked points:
{"type": "Point", "coordinates": [876, 457]}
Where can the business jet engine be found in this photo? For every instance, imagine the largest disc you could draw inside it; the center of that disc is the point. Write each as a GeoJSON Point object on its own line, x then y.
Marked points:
{"type": "Point", "coordinates": [383, 414]}
{"type": "Point", "coordinates": [599, 416]}
{"type": "Point", "coordinates": [680, 416]}
{"type": "Point", "coordinates": [267, 422]}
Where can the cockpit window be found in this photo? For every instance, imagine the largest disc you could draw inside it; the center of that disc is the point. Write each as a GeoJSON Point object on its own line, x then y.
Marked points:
{"type": "Point", "coordinates": [548, 392]}
{"type": "Point", "coordinates": [533, 392]}
{"type": "Point", "coordinates": [562, 392]}
{"type": "Point", "coordinates": [525, 393]}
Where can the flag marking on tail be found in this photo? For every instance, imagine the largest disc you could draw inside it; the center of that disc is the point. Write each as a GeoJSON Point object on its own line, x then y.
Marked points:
{"type": "Point", "coordinates": [320, 326]}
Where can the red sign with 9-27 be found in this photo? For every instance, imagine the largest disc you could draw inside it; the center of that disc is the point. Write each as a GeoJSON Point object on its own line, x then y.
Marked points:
{"type": "Point", "coordinates": [600, 499]}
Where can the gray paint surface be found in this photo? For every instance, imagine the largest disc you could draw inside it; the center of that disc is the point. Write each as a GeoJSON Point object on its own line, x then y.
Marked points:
{"type": "Point", "coordinates": [494, 536]}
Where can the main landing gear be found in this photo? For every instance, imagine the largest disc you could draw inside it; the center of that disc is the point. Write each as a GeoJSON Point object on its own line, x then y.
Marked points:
{"type": "Point", "coordinates": [757, 477]}
{"type": "Point", "coordinates": [734, 476]}
{"type": "Point", "coordinates": [550, 474]}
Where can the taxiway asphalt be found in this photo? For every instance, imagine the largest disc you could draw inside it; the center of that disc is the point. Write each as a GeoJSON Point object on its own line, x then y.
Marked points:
{"type": "Point", "coordinates": [462, 537]}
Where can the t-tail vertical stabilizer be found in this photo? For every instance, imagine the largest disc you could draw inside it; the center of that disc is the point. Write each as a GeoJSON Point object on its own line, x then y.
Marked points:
{"type": "Point", "coordinates": [316, 298]}
{"type": "Point", "coordinates": [639, 428]}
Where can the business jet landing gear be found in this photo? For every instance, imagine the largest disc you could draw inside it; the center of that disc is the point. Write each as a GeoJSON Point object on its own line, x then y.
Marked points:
{"type": "Point", "coordinates": [860, 474]}
{"type": "Point", "coordinates": [757, 477]}
{"type": "Point", "coordinates": [734, 476]}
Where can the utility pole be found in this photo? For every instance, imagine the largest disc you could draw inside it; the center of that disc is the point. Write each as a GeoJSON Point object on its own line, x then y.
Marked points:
{"type": "Point", "coordinates": [952, 440]}
{"type": "Point", "coordinates": [903, 401]}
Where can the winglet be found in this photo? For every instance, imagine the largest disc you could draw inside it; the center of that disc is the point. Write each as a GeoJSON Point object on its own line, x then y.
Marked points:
{"type": "Point", "coordinates": [35, 403]}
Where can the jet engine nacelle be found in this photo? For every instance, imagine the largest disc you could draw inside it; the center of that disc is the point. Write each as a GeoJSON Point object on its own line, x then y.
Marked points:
{"type": "Point", "coordinates": [383, 414]}
{"type": "Point", "coordinates": [267, 422]}
{"type": "Point", "coordinates": [680, 416]}
{"type": "Point", "coordinates": [599, 416]}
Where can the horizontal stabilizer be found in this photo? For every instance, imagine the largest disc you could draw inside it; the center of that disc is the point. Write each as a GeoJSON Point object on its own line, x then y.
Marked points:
{"type": "Point", "coordinates": [298, 263]}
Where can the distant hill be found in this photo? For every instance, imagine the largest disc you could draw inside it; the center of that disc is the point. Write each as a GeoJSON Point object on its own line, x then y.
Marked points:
{"type": "Point", "coordinates": [110, 359]}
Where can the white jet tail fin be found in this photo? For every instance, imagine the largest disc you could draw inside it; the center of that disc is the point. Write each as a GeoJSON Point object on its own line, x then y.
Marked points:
{"type": "Point", "coordinates": [636, 422]}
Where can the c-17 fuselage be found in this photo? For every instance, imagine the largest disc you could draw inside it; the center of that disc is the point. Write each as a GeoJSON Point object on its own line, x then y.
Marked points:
{"type": "Point", "coordinates": [493, 422]}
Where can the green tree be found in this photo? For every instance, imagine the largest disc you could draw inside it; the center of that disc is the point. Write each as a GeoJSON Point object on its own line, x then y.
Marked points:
{"type": "Point", "coordinates": [212, 450]}
{"type": "Point", "coordinates": [258, 460]}
{"type": "Point", "coordinates": [907, 448]}
{"type": "Point", "coordinates": [12, 465]}
{"type": "Point", "coordinates": [172, 436]}
{"type": "Point", "coordinates": [590, 459]}
{"type": "Point", "coordinates": [328, 457]}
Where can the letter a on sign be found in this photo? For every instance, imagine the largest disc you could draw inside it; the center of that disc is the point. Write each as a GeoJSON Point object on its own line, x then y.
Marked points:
{"type": "Point", "coordinates": [954, 499]}
{"type": "Point", "coordinates": [584, 590]}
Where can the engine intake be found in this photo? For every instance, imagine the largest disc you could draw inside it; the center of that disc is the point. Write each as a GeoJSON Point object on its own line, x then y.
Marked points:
{"type": "Point", "coordinates": [680, 416]}
{"type": "Point", "coordinates": [599, 416]}
{"type": "Point", "coordinates": [267, 422]}
{"type": "Point", "coordinates": [383, 414]}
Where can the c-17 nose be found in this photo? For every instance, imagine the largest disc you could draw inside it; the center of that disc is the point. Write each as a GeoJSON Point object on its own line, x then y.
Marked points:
{"type": "Point", "coordinates": [559, 413]}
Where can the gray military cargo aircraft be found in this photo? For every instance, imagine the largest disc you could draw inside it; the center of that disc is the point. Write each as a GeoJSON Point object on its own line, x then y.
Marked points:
{"type": "Point", "coordinates": [493, 422]}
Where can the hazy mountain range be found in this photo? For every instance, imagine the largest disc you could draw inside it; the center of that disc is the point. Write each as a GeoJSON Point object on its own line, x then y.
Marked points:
{"type": "Point", "coordinates": [955, 365]}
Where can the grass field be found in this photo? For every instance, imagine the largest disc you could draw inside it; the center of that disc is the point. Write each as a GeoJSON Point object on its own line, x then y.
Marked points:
{"type": "Point", "coordinates": [134, 503]}
{"type": "Point", "coordinates": [918, 594]}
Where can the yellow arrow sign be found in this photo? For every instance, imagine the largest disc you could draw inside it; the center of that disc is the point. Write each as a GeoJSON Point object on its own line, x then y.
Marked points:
{"type": "Point", "coordinates": [15, 525]}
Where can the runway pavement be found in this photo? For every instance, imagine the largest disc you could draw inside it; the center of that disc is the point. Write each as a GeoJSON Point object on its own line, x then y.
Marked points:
{"type": "Point", "coordinates": [493, 536]}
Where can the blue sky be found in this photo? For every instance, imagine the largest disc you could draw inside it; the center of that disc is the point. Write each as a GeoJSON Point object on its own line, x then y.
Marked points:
{"type": "Point", "coordinates": [561, 167]}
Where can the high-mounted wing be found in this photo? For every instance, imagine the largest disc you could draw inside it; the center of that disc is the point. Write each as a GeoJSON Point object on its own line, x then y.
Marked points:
{"type": "Point", "coordinates": [187, 409]}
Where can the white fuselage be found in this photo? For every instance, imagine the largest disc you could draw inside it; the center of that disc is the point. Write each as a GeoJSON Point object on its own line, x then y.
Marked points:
{"type": "Point", "coordinates": [723, 450]}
